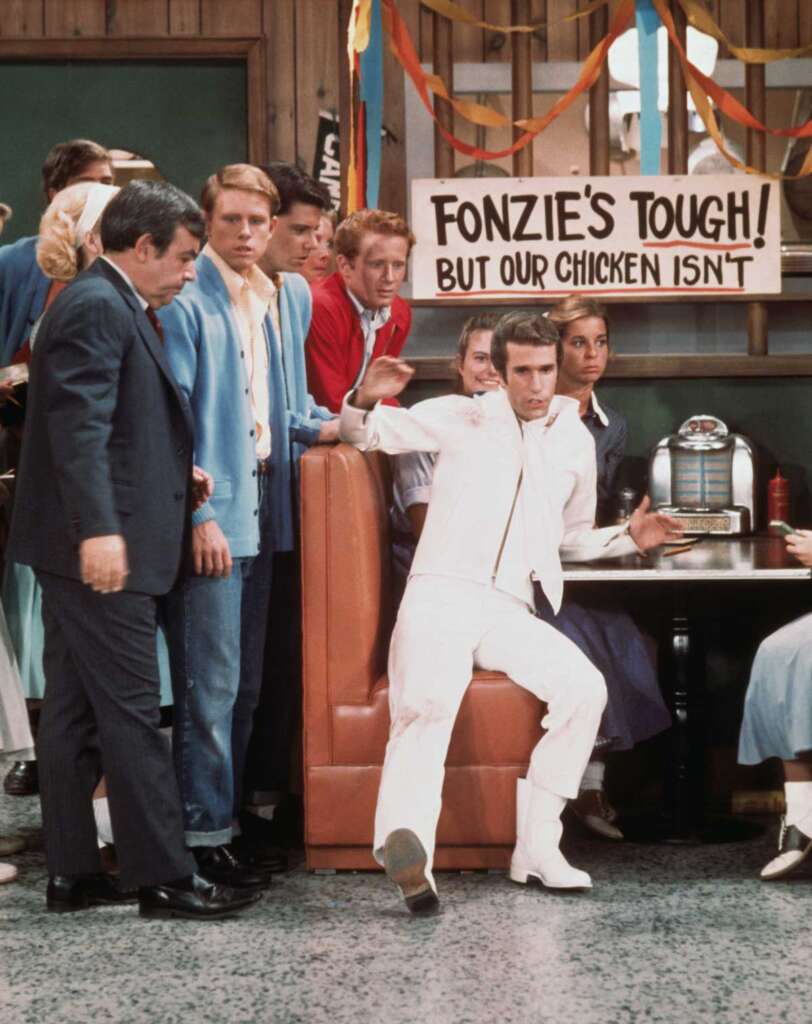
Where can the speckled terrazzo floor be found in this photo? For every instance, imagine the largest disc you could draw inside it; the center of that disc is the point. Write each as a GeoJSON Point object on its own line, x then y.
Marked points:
{"type": "Point", "coordinates": [667, 935]}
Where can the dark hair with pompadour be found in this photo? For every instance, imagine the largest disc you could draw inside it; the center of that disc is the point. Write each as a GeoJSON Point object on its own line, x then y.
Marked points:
{"type": "Point", "coordinates": [153, 208]}
{"type": "Point", "coordinates": [522, 329]}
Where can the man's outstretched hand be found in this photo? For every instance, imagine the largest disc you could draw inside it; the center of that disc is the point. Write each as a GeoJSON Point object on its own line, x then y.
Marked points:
{"type": "Point", "coordinates": [385, 378]}
{"type": "Point", "coordinates": [650, 529]}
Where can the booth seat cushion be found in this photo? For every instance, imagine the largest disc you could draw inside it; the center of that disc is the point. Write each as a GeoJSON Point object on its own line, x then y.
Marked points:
{"type": "Point", "coordinates": [498, 724]}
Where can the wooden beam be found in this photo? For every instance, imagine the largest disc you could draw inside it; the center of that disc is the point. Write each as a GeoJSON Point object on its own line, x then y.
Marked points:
{"type": "Point", "coordinates": [443, 61]}
{"type": "Point", "coordinates": [755, 97]}
{"type": "Point", "coordinates": [677, 98]}
{"type": "Point", "coordinates": [521, 68]}
{"type": "Point", "coordinates": [599, 100]}
{"type": "Point", "coordinates": [344, 110]}
{"type": "Point", "coordinates": [656, 367]}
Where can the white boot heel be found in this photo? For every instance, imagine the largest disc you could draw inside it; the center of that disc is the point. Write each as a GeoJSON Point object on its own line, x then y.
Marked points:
{"type": "Point", "coordinates": [538, 833]}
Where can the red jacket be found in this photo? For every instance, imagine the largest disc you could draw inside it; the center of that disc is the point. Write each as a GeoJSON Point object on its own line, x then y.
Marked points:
{"type": "Point", "coordinates": [335, 345]}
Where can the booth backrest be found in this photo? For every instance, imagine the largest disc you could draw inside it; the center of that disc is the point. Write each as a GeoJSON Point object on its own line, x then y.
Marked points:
{"type": "Point", "coordinates": [345, 498]}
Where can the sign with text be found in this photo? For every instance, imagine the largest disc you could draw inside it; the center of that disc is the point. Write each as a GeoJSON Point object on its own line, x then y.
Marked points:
{"type": "Point", "coordinates": [698, 235]}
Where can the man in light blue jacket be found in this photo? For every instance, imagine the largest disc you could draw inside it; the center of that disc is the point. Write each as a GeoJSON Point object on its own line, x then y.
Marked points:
{"type": "Point", "coordinates": [267, 782]}
{"type": "Point", "coordinates": [219, 338]}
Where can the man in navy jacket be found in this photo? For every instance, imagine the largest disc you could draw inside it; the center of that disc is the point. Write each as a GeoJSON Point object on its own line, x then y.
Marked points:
{"type": "Point", "coordinates": [101, 514]}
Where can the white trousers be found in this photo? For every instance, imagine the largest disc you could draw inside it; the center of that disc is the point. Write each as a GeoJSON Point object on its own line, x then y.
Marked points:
{"type": "Point", "coordinates": [444, 628]}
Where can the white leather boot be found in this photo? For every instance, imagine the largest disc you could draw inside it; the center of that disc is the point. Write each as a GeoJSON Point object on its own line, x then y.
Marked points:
{"type": "Point", "coordinates": [538, 833]}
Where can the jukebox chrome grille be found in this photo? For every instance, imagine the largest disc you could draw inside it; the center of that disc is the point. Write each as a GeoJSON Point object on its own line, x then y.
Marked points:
{"type": "Point", "coordinates": [701, 479]}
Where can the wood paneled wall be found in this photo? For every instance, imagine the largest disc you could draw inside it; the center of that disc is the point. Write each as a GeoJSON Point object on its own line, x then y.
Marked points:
{"type": "Point", "coordinates": [302, 47]}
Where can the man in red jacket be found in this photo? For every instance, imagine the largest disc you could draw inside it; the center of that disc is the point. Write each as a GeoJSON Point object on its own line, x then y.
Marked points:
{"type": "Point", "coordinates": [357, 314]}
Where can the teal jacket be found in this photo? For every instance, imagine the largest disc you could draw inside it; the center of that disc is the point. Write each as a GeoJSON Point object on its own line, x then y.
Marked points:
{"type": "Point", "coordinates": [204, 349]}
{"type": "Point", "coordinates": [23, 291]}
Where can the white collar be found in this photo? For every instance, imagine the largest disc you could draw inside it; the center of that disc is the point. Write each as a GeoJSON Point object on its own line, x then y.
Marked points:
{"type": "Point", "coordinates": [143, 302]}
{"type": "Point", "coordinates": [604, 419]}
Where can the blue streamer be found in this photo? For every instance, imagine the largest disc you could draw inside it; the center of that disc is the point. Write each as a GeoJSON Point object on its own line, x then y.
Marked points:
{"type": "Point", "coordinates": [648, 21]}
{"type": "Point", "coordinates": [372, 96]}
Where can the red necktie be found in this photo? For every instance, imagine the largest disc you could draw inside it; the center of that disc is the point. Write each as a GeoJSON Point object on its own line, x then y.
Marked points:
{"type": "Point", "coordinates": [156, 323]}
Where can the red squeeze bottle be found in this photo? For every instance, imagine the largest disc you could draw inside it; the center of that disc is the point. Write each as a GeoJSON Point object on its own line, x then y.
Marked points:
{"type": "Point", "coordinates": [778, 497]}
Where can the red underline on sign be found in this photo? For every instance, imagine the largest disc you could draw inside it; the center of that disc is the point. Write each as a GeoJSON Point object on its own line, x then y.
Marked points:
{"type": "Point", "coordinates": [582, 291]}
{"type": "Point", "coordinates": [718, 246]}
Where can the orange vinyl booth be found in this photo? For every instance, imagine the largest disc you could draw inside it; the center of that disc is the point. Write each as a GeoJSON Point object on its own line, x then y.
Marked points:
{"type": "Point", "coordinates": [348, 617]}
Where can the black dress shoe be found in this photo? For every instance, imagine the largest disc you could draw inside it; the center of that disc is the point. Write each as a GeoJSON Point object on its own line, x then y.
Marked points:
{"type": "Point", "coordinates": [194, 897]}
{"type": "Point", "coordinates": [218, 864]}
{"type": "Point", "coordinates": [22, 779]}
{"type": "Point", "coordinates": [258, 855]}
{"type": "Point", "coordinates": [78, 892]}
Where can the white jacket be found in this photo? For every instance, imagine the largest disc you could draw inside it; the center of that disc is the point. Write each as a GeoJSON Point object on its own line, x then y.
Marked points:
{"type": "Point", "coordinates": [482, 447]}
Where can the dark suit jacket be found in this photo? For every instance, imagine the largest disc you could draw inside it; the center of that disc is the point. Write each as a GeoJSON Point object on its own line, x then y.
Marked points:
{"type": "Point", "coordinates": [107, 447]}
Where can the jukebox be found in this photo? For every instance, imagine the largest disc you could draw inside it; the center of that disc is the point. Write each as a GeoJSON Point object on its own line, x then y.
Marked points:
{"type": "Point", "coordinates": [704, 476]}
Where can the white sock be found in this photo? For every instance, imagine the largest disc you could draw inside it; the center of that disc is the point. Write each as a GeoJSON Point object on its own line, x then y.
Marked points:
{"type": "Point", "coordinates": [593, 776]}
{"type": "Point", "coordinates": [799, 805]}
{"type": "Point", "coordinates": [104, 826]}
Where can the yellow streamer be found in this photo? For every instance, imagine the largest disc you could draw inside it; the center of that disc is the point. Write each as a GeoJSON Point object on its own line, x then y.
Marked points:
{"type": "Point", "coordinates": [701, 20]}
{"type": "Point", "coordinates": [455, 12]}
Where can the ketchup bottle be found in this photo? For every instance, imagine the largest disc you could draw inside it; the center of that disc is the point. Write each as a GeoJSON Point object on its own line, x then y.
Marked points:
{"type": "Point", "coordinates": [778, 497]}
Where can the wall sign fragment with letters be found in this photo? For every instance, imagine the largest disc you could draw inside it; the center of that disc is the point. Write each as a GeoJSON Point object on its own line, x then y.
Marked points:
{"type": "Point", "coordinates": [667, 235]}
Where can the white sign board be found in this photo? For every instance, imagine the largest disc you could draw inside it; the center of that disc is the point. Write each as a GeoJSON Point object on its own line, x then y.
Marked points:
{"type": "Point", "coordinates": [686, 235]}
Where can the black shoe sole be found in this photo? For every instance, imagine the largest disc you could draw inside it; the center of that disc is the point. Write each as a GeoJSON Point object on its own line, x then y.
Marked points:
{"type": "Point", "coordinates": [192, 915]}
{"type": "Point", "coordinates": [405, 863]}
{"type": "Point", "coordinates": [69, 908]}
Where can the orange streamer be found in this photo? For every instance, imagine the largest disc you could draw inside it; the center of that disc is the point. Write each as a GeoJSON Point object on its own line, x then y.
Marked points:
{"type": "Point", "coordinates": [403, 49]}
{"type": "Point", "coordinates": [701, 87]}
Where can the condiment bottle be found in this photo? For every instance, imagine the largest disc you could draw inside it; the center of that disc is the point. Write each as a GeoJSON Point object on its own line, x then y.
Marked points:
{"type": "Point", "coordinates": [778, 497]}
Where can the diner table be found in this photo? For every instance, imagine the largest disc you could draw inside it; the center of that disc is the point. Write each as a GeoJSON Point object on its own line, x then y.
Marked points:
{"type": "Point", "coordinates": [717, 562]}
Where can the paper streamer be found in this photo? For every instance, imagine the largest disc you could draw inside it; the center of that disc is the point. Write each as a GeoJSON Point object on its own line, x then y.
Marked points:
{"type": "Point", "coordinates": [650, 129]}
{"type": "Point", "coordinates": [371, 92]}
{"type": "Point", "coordinates": [702, 20]}
{"type": "Point", "coordinates": [403, 48]}
{"type": "Point", "coordinates": [704, 89]}
{"type": "Point", "coordinates": [454, 12]}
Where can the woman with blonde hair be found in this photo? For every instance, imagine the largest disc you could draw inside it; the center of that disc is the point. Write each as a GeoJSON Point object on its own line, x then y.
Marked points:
{"type": "Point", "coordinates": [69, 242]}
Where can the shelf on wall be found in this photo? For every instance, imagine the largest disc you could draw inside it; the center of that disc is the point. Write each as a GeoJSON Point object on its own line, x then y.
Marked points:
{"type": "Point", "coordinates": [631, 367]}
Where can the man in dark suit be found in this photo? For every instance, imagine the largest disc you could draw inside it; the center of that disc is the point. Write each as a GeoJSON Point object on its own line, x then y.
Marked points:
{"type": "Point", "coordinates": [102, 514]}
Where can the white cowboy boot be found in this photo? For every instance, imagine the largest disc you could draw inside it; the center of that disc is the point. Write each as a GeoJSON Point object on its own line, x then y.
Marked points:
{"type": "Point", "coordinates": [538, 833]}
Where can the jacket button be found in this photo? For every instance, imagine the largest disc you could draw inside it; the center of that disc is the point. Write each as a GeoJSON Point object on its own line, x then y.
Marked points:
{"type": "Point", "coordinates": [250, 433]}
{"type": "Point", "coordinates": [253, 472]}
{"type": "Point", "coordinates": [181, 451]}
{"type": "Point", "coordinates": [255, 511]}
{"type": "Point", "coordinates": [179, 495]}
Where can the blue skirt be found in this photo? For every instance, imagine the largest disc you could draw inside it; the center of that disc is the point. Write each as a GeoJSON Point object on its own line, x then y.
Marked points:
{"type": "Point", "coordinates": [778, 706]}
{"type": "Point", "coordinates": [635, 709]}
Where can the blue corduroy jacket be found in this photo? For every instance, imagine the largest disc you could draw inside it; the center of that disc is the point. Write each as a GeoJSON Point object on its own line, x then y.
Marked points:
{"type": "Point", "coordinates": [23, 290]}
{"type": "Point", "coordinates": [204, 349]}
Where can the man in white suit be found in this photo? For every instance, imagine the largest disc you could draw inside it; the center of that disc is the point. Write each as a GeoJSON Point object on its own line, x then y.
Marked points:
{"type": "Point", "coordinates": [515, 483]}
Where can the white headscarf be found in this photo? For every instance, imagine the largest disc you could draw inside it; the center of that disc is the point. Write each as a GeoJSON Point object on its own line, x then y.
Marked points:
{"type": "Point", "coordinates": [98, 196]}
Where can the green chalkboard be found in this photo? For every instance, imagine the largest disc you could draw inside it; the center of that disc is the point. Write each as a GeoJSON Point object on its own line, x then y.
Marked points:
{"type": "Point", "coordinates": [188, 117]}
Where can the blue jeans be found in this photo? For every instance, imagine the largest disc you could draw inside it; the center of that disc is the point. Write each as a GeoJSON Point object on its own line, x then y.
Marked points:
{"type": "Point", "coordinates": [216, 634]}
